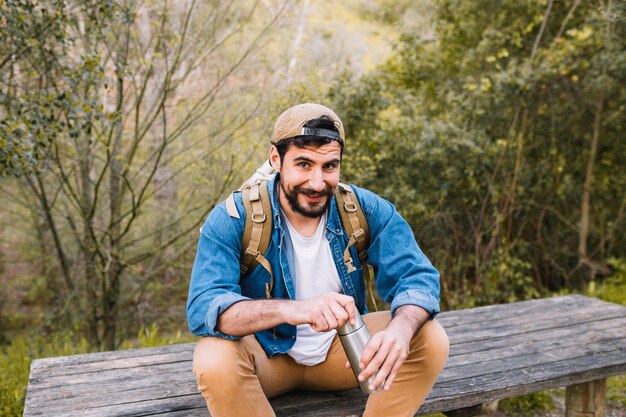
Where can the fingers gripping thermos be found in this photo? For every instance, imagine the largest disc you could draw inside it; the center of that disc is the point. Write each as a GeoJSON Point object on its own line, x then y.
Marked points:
{"type": "Point", "coordinates": [354, 339]}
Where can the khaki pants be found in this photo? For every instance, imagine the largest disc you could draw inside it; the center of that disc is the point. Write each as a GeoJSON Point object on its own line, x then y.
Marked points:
{"type": "Point", "coordinates": [236, 377]}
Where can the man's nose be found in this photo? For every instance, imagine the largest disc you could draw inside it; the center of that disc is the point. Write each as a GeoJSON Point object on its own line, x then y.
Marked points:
{"type": "Point", "coordinates": [316, 180]}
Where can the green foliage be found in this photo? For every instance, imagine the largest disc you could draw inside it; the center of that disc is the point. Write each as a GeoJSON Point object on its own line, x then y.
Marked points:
{"type": "Point", "coordinates": [30, 32]}
{"type": "Point", "coordinates": [611, 289]}
{"type": "Point", "coordinates": [482, 136]}
{"type": "Point", "coordinates": [528, 405]}
{"type": "Point", "coordinates": [616, 391]}
{"type": "Point", "coordinates": [44, 94]}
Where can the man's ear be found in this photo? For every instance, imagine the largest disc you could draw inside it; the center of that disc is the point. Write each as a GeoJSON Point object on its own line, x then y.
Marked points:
{"type": "Point", "coordinates": [275, 158]}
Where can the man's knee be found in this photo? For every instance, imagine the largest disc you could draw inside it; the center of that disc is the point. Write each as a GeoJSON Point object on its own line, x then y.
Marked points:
{"type": "Point", "coordinates": [216, 361]}
{"type": "Point", "coordinates": [432, 342]}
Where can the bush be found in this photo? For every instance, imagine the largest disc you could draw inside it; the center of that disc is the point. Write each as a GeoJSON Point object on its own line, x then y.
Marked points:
{"type": "Point", "coordinates": [613, 288]}
{"type": "Point", "coordinates": [616, 391]}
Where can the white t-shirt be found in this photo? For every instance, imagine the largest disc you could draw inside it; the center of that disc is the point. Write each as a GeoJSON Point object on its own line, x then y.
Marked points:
{"type": "Point", "coordinates": [315, 274]}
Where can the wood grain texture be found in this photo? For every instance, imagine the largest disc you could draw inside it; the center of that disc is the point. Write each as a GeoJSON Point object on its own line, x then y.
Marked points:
{"type": "Point", "coordinates": [496, 352]}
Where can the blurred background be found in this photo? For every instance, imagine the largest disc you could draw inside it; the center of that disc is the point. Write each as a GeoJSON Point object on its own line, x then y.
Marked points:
{"type": "Point", "coordinates": [496, 128]}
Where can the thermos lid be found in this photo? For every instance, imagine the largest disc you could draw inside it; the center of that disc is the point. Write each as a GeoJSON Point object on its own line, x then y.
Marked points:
{"type": "Point", "coordinates": [347, 328]}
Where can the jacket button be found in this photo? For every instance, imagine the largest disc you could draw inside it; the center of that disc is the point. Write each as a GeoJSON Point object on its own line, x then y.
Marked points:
{"type": "Point", "coordinates": [275, 348]}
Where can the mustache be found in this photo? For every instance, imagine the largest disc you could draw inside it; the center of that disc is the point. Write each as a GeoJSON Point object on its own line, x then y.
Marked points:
{"type": "Point", "coordinates": [326, 192]}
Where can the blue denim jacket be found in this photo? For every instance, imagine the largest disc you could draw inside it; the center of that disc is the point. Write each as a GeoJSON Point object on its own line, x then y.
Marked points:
{"type": "Point", "coordinates": [403, 274]}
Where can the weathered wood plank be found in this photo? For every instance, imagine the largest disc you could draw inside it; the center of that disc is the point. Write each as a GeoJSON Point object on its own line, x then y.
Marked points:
{"type": "Point", "coordinates": [110, 364]}
{"type": "Point", "coordinates": [519, 325]}
{"type": "Point", "coordinates": [543, 306]}
{"type": "Point", "coordinates": [536, 336]}
{"type": "Point", "coordinates": [140, 408]}
{"type": "Point", "coordinates": [544, 359]}
{"type": "Point", "coordinates": [534, 342]}
{"type": "Point", "coordinates": [62, 361]}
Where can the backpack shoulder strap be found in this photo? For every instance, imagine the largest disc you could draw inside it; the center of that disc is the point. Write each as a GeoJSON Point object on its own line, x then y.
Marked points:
{"type": "Point", "coordinates": [257, 231]}
{"type": "Point", "coordinates": [231, 208]}
{"type": "Point", "coordinates": [354, 223]}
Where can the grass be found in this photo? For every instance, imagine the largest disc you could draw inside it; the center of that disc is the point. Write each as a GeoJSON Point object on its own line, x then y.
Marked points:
{"type": "Point", "coordinates": [528, 405]}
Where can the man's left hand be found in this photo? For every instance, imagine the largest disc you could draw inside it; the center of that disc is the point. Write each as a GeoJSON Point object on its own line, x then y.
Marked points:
{"type": "Point", "coordinates": [388, 349]}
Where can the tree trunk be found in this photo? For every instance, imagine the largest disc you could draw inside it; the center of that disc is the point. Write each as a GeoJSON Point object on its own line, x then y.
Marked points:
{"type": "Point", "coordinates": [587, 187]}
{"type": "Point", "coordinates": [88, 244]}
{"type": "Point", "coordinates": [583, 258]}
{"type": "Point", "coordinates": [293, 61]}
{"type": "Point", "coordinates": [112, 270]}
{"type": "Point", "coordinates": [39, 189]}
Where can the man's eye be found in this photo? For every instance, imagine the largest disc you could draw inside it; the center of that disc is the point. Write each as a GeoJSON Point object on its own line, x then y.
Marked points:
{"type": "Point", "coordinates": [303, 164]}
{"type": "Point", "coordinates": [330, 166]}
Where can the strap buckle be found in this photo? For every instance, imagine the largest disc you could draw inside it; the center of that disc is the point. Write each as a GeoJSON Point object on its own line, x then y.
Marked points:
{"type": "Point", "coordinates": [258, 217]}
{"type": "Point", "coordinates": [349, 206]}
{"type": "Point", "coordinates": [358, 233]}
{"type": "Point", "coordinates": [350, 265]}
{"type": "Point", "coordinates": [253, 253]}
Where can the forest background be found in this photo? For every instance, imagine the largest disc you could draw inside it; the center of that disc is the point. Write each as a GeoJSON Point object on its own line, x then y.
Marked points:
{"type": "Point", "coordinates": [495, 127]}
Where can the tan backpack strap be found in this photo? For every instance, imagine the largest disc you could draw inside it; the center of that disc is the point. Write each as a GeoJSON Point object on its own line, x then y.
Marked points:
{"type": "Point", "coordinates": [354, 223]}
{"type": "Point", "coordinates": [231, 208]}
{"type": "Point", "coordinates": [356, 226]}
{"type": "Point", "coordinates": [257, 231]}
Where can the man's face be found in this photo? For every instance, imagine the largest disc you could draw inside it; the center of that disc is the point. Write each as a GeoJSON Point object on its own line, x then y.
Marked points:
{"type": "Point", "coordinates": [308, 177]}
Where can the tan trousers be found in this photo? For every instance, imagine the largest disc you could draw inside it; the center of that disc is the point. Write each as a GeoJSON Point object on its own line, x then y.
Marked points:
{"type": "Point", "coordinates": [236, 377]}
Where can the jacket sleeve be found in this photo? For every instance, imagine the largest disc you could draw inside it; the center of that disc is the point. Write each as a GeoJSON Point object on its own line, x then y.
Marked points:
{"type": "Point", "coordinates": [214, 284]}
{"type": "Point", "coordinates": [403, 274]}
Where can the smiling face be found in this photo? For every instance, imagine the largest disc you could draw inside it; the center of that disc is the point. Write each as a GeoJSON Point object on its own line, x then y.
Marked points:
{"type": "Point", "coordinates": [308, 177]}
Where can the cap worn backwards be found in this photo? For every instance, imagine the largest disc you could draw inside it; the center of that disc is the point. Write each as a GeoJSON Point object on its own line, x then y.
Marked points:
{"type": "Point", "coordinates": [291, 123]}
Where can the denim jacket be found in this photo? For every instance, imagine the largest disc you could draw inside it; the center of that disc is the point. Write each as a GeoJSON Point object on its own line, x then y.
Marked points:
{"type": "Point", "coordinates": [403, 274]}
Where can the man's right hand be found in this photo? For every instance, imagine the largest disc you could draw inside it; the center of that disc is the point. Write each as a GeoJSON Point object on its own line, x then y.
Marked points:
{"type": "Point", "coordinates": [324, 312]}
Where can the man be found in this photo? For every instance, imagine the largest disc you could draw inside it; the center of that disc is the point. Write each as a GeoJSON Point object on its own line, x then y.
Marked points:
{"type": "Point", "coordinates": [267, 335]}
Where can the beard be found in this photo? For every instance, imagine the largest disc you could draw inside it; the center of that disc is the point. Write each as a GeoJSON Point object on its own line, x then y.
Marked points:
{"type": "Point", "coordinates": [313, 211]}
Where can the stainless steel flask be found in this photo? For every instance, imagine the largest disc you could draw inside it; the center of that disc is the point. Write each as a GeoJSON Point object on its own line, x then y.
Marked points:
{"type": "Point", "coordinates": [354, 338]}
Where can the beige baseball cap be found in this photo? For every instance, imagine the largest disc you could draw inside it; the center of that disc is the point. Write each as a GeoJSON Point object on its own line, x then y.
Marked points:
{"type": "Point", "coordinates": [291, 122]}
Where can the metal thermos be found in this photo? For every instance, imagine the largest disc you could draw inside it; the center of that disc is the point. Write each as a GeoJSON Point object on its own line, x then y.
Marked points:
{"type": "Point", "coordinates": [354, 338]}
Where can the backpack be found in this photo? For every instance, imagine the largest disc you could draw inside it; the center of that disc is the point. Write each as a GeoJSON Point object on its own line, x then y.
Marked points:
{"type": "Point", "coordinates": [258, 227]}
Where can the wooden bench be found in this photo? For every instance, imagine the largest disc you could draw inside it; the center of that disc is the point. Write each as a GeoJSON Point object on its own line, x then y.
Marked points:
{"type": "Point", "coordinates": [496, 352]}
